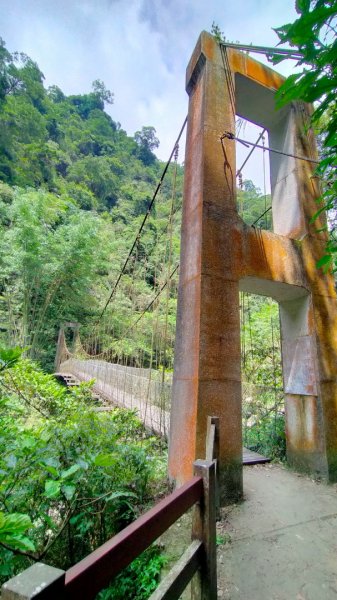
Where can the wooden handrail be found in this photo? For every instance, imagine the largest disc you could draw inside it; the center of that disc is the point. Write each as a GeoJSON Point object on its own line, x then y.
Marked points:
{"type": "Point", "coordinates": [85, 579]}
{"type": "Point", "coordinates": [181, 573]}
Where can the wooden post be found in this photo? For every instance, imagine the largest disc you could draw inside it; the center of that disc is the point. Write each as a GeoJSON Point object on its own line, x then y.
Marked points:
{"type": "Point", "coordinates": [212, 453]}
{"type": "Point", "coordinates": [40, 582]}
{"type": "Point", "coordinates": [212, 438]}
{"type": "Point", "coordinates": [204, 584]}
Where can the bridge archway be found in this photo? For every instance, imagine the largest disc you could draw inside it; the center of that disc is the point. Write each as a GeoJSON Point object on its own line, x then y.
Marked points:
{"type": "Point", "coordinates": [220, 255]}
{"type": "Point", "coordinates": [304, 419]}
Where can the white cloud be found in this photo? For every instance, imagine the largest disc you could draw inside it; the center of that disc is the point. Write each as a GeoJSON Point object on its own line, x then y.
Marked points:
{"type": "Point", "coordinates": [139, 48]}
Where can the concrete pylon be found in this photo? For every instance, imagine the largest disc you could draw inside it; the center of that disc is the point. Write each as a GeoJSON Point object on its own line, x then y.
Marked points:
{"type": "Point", "coordinates": [221, 255]}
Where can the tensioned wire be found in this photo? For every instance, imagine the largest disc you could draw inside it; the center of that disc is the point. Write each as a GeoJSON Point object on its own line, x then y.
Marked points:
{"type": "Point", "coordinates": [159, 357]}
{"type": "Point", "coordinates": [93, 340]}
{"type": "Point", "coordinates": [145, 218]}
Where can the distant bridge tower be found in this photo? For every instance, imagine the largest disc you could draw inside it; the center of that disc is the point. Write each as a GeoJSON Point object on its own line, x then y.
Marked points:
{"type": "Point", "coordinates": [61, 347]}
{"type": "Point", "coordinates": [221, 255]}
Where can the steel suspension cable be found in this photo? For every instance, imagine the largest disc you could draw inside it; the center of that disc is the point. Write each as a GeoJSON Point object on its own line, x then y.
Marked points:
{"type": "Point", "coordinates": [144, 220]}
{"type": "Point", "coordinates": [230, 136]}
{"type": "Point", "coordinates": [229, 81]}
{"type": "Point", "coordinates": [239, 171]}
{"type": "Point", "coordinates": [154, 299]}
{"type": "Point", "coordinates": [264, 184]}
{"type": "Point", "coordinates": [168, 289]}
{"type": "Point", "coordinates": [268, 51]}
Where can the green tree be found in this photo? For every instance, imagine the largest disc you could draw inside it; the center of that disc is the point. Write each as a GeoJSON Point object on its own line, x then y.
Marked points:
{"type": "Point", "coordinates": [147, 142]}
{"type": "Point", "coordinates": [314, 35]}
{"type": "Point", "coordinates": [98, 173]}
{"type": "Point", "coordinates": [102, 92]}
{"type": "Point", "coordinates": [20, 75]}
{"type": "Point", "coordinates": [51, 253]}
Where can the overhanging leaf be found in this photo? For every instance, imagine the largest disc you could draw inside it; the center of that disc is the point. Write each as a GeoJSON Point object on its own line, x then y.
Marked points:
{"type": "Point", "coordinates": [14, 522]}
{"type": "Point", "coordinates": [69, 491]}
{"type": "Point", "coordinates": [69, 472]}
{"type": "Point", "coordinates": [105, 460]}
{"type": "Point", "coordinates": [52, 488]}
{"type": "Point", "coordinates": [19, 542]}
{"type": "Point", "coordinates": [324, 261]}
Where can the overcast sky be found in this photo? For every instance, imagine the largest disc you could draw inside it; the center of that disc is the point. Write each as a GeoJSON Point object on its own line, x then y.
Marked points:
{"type": "Point", "coordinates": [139, 48]}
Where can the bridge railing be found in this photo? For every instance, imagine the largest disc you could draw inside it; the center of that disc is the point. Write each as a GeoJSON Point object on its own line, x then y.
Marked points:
{"type": "Point", "coordinates": [96, 571]}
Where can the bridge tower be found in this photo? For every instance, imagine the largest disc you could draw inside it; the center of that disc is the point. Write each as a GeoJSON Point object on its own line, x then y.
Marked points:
{"type": "Point", "coordinates": [221, 255]}
{"type": "Point", "coordinates": [61, 346]}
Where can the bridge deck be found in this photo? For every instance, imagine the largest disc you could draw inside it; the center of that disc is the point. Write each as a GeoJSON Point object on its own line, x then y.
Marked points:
{"type": "Point", "coordinates": [253, 458]}
{"type": "Point", "coordinates": [152, 416]}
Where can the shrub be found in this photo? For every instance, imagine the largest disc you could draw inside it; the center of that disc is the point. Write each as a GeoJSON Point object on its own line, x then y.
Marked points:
{"type": "Point", "coordinates": [70, 477]}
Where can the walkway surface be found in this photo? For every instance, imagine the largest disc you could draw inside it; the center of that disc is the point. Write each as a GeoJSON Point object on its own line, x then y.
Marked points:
{"type": "Point", "coordinates": [281, 542]}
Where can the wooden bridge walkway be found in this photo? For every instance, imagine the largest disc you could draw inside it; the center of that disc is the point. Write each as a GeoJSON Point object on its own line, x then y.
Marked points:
{"type": "Point", "coordinates": [152, 416]}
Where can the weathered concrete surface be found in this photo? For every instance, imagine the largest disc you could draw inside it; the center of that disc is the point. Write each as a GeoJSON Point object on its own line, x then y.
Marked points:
{"type": "Point", "coordinates": [32, 583]}
{"type": "Point", "coordinates": [280, 543]}
{"type": "Point", "coordinates": [221, 255]}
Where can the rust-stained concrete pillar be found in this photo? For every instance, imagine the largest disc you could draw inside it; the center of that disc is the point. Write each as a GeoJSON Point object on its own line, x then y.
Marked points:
{"type": "Point", "coordinates": [220, 255]}
{"type": "Point", "coordinates": [207, 354]}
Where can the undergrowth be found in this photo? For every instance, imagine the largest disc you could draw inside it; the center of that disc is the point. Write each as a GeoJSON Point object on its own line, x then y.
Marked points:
{"type": "Point", "coordinates": [71, 477]}
{"type": "Point", "coordinates": [138, 580]}
{"type": "Point", "coordinates": [267, 436]}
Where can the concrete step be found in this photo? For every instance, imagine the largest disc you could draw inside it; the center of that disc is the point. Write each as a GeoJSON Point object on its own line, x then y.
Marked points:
{"type": "Point", "coordinates": [71, 381]}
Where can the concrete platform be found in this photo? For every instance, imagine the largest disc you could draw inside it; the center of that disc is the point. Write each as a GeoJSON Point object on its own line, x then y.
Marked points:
{"type": "Point", "coordinates": [281, 542]}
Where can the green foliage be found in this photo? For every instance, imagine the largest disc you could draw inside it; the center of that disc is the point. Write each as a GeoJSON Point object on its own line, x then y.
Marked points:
{"type": "Point", "coordinates": [70, 477]}
{"type": "Point", "coordinates": [252, 206]}
{"type": "Point", "coordinates": [50, 255]}
{"type": "Point", "coordinates": [314, 35]}
{"type": "Point", "coordinates": [102, 92]}
{"type": "Point", "coordinates": [263, 404]}
{"type": "Point", "coordinates": [73, 191]}
{"type": "Point", "coordinates": [217, 33]}
{"type": "Point", "coordinates": [138, 580]}
{"type": "Point", "coordinates": [9, 357]}
{"type": "Point", "coordinates": [267, 436]}
{"type": "Point", "coordinates": [147, 141]}
{"type": "Point", "coordinates": [223, 539]}
{"type": "Point", "coordinates": [12, 530]}
{"type": "Point", "coordinates": [98, 174]}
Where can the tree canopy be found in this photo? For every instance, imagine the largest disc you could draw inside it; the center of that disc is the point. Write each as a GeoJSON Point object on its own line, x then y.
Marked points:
{"type": "Point", "coordinates": [73, 186]}
{"type": "Point", "coordinates": [314, 34]}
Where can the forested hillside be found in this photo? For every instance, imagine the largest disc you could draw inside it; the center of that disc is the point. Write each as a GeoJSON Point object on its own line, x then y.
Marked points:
{"type": "Point", "coordinates": [74, 188]}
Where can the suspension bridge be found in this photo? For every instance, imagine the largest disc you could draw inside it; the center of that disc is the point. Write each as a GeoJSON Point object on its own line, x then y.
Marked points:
{"type": "Point", "coordinates": [173, 351]}
{"type": "Point", "coordinates": [176, 363]}
{"type": "Point", "coordinates": [131, 365]}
